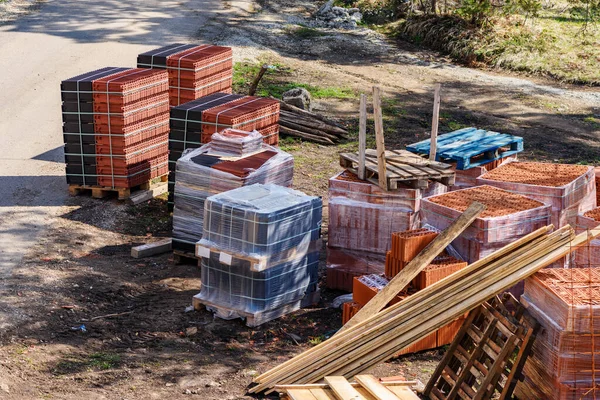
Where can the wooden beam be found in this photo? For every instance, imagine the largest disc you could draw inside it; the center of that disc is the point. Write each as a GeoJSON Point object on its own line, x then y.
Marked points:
{"type": "Point", "coordinates": [151, 249]}
{"type": "Point", "coordinates": [414, 267]}
{"type": "Point", "coordinates": [362, 136]}
{"type": "Point", "coordinates": [257, 79]}
{"type": "Point", "coordinates": [435, 121]}
{"type": "Point", "coordinates": [379, 138]}
{"type": "Point", "coordinates": [148, 194]}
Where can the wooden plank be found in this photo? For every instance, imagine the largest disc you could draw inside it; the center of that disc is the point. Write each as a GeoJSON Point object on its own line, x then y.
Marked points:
{"type": "Point", "coordinates": [379, 139]}
{"type": "Point", "coordinates": [362, 136]}
{"type": "Point", "coordinates": [404, 393]}
{"type": "Point", "coordinates": [300, 394]}
{"type": "Point", "coordinates": [435, 122]}
{"type": "Point", "coordinates": [420, 262]}
{"type": "Point", "coordinates": [373, 386]}
{"type": "Point", "coordinates": [152, 249]}
{"type": "Point", "coordinates": [385, 381]}
{"type": "Point", "coordinates": [322, 394]}
{"type": "Point", "coordinates": [342, 388]}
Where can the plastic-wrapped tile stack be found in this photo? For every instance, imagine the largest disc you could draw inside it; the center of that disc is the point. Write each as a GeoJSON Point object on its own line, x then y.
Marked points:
{"type": "Point", "coordinates": [362, 218]}
{"type": "Point", "coordinates": [565, 358]}
{"type": "Point", "coordinates": [507, 217]}
{"type": "Point", "coordinates": [259, 249]}
{"type": "Point", "coordinates": [193, 123]}
{"type": "Point", "coordinates": [201, 174]}
{"type": "Point", "coordinates": [466, 178]}
{"type": "Point", "coordinates": [116, 127]}
{"type": "Point", "coordinates": [194, 71]}
{"type": "Point", "coordinates": [568, 189]}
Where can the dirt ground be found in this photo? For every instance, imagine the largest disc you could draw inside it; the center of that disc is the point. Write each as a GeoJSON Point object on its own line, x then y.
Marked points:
{"type": "Point", "coordinates": [98, 324]}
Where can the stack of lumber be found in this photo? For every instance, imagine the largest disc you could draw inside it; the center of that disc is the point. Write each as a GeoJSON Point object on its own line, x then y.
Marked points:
{"type": "Point", "coordinates": [194, 71]}
{"type": "Point", "coordinates": [568, 189]}
{"type": "Point", "coordinates": [507, 217]}
{"type": "Point", "coordinates": [362, 217]}
{"type": "Point", "coordinates": [115, 124]}
{"type": "Point", "coordinates": [374, 339]}
{"type": "Point", "coordinates": [201, 174]}
{"type": "Point", "coordinates": [309, 126]}
{"type": "Point", "coordinates": [565, 354]}
{"type": "Point", "coordinates": [367, 387]}
{"type": "Point", "coordinates": [259, 252]}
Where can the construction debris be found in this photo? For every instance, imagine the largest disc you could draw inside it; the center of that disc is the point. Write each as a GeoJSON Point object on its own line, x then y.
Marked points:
{"type": "Point", "coordinates": [377, 338]}
{"type": "Point", "coordinates": [309, 126]}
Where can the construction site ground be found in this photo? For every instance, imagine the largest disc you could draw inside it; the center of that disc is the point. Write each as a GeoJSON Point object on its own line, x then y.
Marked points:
{"type": "Point", "coordinates": [88, 321]}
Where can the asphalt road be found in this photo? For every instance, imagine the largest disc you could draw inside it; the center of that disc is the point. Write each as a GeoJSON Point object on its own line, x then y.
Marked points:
{"type": "Point", "coordinates": [60, 40]}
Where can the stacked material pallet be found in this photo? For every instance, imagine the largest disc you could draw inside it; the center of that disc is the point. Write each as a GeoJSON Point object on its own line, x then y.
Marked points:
{"type": "Point", "coordinates": [568, 189]}
{"type": "Point", "coordinates": [115, 124]}
{"type": "Point", "coordinates": [590, 254]}
{"type": "Point", "coordinates": [507, 217]}
{"type": "Point", "coordinates": [193, 124]}
{"type": "Point", "coordinates": [466, 178]}
{"type": "Point", "coordinates": [362, 217]}
{"type": "Point", "coordinates": [194, 71]}
{"type": "Point", "coordinates": [565, 353]}
{"type": "Point", "coordinates": [202, 173]}
{"type": "Point", "coordinates": [259, 252]}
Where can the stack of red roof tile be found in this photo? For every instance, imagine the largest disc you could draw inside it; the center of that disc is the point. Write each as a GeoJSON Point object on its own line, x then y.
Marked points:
{"type": "Point", "coordinates": [194, 71]}
{"type": "Point", "coordinates": [566, 352]}
{"type": "Point", "coordinates": [120, 117]}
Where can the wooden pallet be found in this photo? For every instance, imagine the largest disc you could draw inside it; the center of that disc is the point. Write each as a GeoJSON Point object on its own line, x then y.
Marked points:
{"type": "Point", "coordinates": [487, 354]}
{"type": "Point", "coordinates": [401, 167]}
{"type": "Point", "coordinates": [99, 192]}
{"type": "Point", "coordinates": [259, 318]}
{"type": "Point", "coordinates": [184, 257]}
{"type": "Point", "coordinates": [366, 387]}
{"type": "Point", "coordinates": [470, 147]}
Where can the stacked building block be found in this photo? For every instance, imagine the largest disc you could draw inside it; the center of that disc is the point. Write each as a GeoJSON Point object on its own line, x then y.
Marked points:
{"type": "Point", "coordinates": [194, 71]}
{"type": "Point", "coordinates": [362, 218]}
{"type": "Point", "coordinates": [507, 217]}
{"type": "Point", "coordinates": [589, 255]}
{"type": "Point", "coordinates": [193, 124]}
{"type": "Point", "coordinates": [115, 125]}
{"type": "Point", "coordinates": [405, 246]}
{"type": "Point", "coordinates": [566, 353]}
{"type": "Point", "coordinates": [466, 178]}
{"type": "Point", "coordinates": [259, 250]}
{"type": "Point", "coordinates": [201, 174]}
{"type": "Point", "coordinates": [568, 189]}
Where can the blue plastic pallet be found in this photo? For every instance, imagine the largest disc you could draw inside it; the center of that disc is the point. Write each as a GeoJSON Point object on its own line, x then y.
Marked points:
{"type": "Point", "coordinates": [462, 145]}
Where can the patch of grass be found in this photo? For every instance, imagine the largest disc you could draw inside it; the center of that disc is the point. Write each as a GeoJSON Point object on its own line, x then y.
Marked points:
{"type": "Point", "coordinates": [278, 80]}
{"type": "Point", "coordinates": [315, 340]}
{"type": "Point", "coordinates": [104, 361]}
{"type": "Point", "coordinates": [592, 121]}
{"type": "Point", "coordinates": [303, 32]}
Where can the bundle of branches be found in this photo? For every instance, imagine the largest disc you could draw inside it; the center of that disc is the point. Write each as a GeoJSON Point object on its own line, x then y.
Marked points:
{"type": "Point", "coordinates": [294, 121]}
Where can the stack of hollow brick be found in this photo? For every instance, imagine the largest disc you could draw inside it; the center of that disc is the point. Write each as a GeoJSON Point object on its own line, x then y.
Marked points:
{"type": "Point", "coordinates": [362, 218]}
{"type": "Point", "coordinates": [589, 255]}
{"type": "Point", "coordinates": [193, 124]}
{"type": "Point", "coordinates": [566, 353]}
{"type": "Point", "coordinates": [405, 246]}
{"type": "Point", "coordinates": [194, 71]}
{"type": "Point", "coordinates": [568, 189]}
{"type": "Point", "coordinates": [115, 124]}
{"type": "Point", "coordinates": [507, 217]}
{"type": "Point", "coordinates": [466, 178]}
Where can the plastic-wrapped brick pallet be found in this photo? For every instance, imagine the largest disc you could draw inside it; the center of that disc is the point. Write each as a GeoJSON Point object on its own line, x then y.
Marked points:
{"type": "Point", "coordinates": [201, 174]}
{"type": "Point", "coordinates": [259, 249]}
{"type": "Point", "coordinates": [568, 189]}
{"type": "Point", "coordinates": [590, 254]}
{"type": "Point", "coordinates": [507, 218]}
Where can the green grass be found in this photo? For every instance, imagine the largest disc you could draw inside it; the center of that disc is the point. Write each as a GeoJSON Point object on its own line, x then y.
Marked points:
{"type": "Point", "coordinates": [278, 80]}
{"type": "Point", "coordinates": [104, 361]}
{"type": "Point", "coordinates": [303, 32]}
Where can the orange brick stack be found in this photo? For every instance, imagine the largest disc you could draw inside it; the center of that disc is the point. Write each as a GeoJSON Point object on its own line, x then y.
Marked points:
{"type": "Point", "coordinates": [194, 71]}
{"type": "Point", "coordinates": [566, 353]}
{"type": "Point", "coordinates": [405, 246]}
{"type": "Point", "coordinates": [466, 178]}
{"type": "Point", "coordinates": [589, 255]}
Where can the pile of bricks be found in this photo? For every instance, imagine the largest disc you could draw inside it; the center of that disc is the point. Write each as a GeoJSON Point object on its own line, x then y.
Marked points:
{"type": "Point", "coordinates": [259, 249]}
{"type": "Point", "coordinates": [507, 217]}
{"type": "Point", "coordinates": [362, 217]}
{"type": "Point", "coordinates": [405, 247]}
{"type": "Point", "coordinates": [568, 189]}
{"type": "Point", "coordinates": [194, 71]}
{"type": "Point", "coordinates": [567, 350]}
{"type": "Point", "coordinates": [115, 125]}
{"type": "Point", "coordinates": [589, 255]}
{"type": "Point", "coordinates": [344, 265]}
{"type": "Point", "coordinates": [201, 173]}
{"type": "Point", "coordinates": [193, 124]}
{"type": "Point", "coordinates": [467, 178]}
